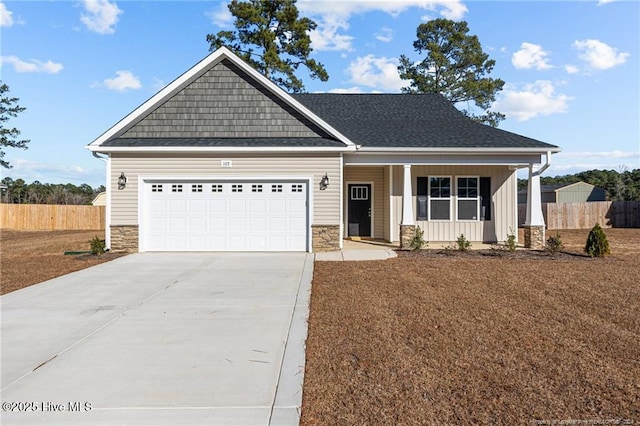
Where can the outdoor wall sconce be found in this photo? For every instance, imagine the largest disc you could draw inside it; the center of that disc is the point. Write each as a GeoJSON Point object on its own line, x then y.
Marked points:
{"type": "Point", "coordinates": [324, 182]}
{"type": "Point", "coordinates": [122, 181]}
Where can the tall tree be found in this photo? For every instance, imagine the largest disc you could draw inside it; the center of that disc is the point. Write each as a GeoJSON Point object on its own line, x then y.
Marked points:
{"type": "Point", "coordinates": [271, 37]}
{"type": "Point", "coordinates": [9, 137]}
{"type": "Point", "coordinates": [455, 66]}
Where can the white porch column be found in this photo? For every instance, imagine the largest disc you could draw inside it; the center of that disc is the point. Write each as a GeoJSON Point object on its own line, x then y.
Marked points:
{"type": "Point", "coordinates": [534, 199]}
{"type": "Point", "coordinates": [534, 224]}
{"type": "Point", "coordinates": [407, 197]}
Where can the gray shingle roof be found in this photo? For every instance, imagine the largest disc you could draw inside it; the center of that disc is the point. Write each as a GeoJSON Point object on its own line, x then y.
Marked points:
{"type": "Point", "coordinates": [408, 121]}
{"type": "Point", "coordinates": [223, 142]}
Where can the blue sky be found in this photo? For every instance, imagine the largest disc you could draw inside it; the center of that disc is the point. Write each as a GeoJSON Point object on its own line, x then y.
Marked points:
{"type": "Point", "coordinates": [572, 69]}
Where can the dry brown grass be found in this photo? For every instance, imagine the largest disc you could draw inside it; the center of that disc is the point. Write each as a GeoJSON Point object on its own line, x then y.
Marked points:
{"type": "Point", "coordinates": [31, 257]}
{"type": "Point", "coordinates": [476, 340]}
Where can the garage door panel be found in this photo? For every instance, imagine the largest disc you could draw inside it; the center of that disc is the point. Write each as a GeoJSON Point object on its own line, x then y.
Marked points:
{"type": "Point", "coordinates": [176, 224]}
{"type": "Point", "coordinates": [217, 205]}
{"type": "Point", "coordinates": [257, 225]}
{"type": "Point", "coordinates": [237, 207]}
{"type": "Point", "coordinates": [197, 206]}
{"type": "Point", "coordinates": [221, 216]}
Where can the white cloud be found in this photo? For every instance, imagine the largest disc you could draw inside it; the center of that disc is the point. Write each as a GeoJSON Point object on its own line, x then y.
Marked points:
{"type": "Point", "coordinates": [6, 16]}
{"type": "Point", "coordinates": [599, 55]}
{"type": "Point", "coordinates": [101, 16]}
{"type": "Point", "coordinates": [378, 72]}
{"type": "Point", "coordinates": [531, 56]}
{"type": "Point", "coordinates": [385, 35]}
{"type": "Point", "coordinates": [601, 2]}
{"type": "Point", "coordinates": [34, 65]}
{"type": "Point", "coordinates": [354, 89]}
{"type": "Point", "coordinates": [221, 16]}
{"type": "Point", "coordinates": [332, 17]}
{"type": "Point", "coordinates": [539, 98]}
{"type": "Point", "coordinates": [573, 161]}
{"type": "Point", "coordinates": [55, 173]}
{"type": "Point", "coordinates": [451, 9]}
{"type": "Point", "coordinates": [571, 69]}
{"type": "Point", "coordinates": [123, 81]}
{"type": "Point", "coordinates": [326, 37]}
{"type": "Point", "coordinates": [596, 155]}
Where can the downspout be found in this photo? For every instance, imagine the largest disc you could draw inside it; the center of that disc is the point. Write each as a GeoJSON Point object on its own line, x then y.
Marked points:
{"type": "Point", "coordinates": [545, 166]}
{"type": "Point", "coordinates": [107, 219]}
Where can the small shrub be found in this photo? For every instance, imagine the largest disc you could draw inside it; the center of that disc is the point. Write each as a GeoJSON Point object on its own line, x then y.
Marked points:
{"type": "Point", "coordinates": [98, 246]}
{"type": "Point", "coordinates": [510, 243]}
{"type": "Point", "coordinates": [462, 244]}
{"type": "Point", "coordinates": [554, 244]}
{"type": "Point", "coordinates": [597, 243]}
{"type": "Point", "coordinates": [418, 242]}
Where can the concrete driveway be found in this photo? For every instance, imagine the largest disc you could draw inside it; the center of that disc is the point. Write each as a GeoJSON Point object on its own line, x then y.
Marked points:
{"type": "Point", "coordinates": [159, 339]}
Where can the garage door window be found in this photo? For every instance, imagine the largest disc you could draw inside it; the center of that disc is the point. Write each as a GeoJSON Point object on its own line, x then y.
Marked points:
{"type": "Point", "coordinates": [276, 188]}
{"type": "Point", "coordinates": [196, 188]}
{"type": "Point", "coordinates": [256, 188]}
{"type": "Point", "coordinates": [296, 188]}
{"type": "Point", "coordinates": [236, 188]}
{"type": "Point", "coordinates": [176, 188]}
{"type": "Point", "coordinates": [216, 188]}
{"type": "Point", "coordinates": [156, 188]}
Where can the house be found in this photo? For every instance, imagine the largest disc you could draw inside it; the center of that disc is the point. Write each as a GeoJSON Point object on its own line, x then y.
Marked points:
{"type": "Point", "coordinates": [578, 192]}
{"type": "Point", "coordinates": [223, 159]}
{"type": "Point", "coordinates": [100, 199]}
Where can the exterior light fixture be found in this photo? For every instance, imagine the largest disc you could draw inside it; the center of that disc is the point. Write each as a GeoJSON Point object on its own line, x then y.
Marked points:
{"type": "Point", "coordinates": [122, 181]}
{"type": "Point", "coordinates": [324, 182]}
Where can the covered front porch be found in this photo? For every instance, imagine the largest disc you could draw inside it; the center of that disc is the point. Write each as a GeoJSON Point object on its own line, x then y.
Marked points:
{"type": "Point", "coordinates": [386, 202]}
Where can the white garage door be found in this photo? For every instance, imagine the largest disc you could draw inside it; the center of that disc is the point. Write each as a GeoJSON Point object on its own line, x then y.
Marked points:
{"type": "Point", "coordinates": [226, 216]}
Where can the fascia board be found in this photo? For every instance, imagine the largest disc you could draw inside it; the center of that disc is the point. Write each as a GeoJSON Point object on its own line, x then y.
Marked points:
{"type": "Point", "coordinates": [191, 150]}
{"type": "Point", "coordinates": [505, 151]}
{"type": "Point", "coordinates": [196, 71]}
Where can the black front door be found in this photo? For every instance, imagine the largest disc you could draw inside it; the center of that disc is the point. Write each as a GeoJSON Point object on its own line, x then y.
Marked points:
{"type": "Point", "coordinates": [359, 210]}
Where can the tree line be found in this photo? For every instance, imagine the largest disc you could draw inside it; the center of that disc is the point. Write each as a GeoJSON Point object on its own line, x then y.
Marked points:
{"type": "Point", "coordinates": [19, 192]}
{"type": "Point", "coordinates": [620, 185]}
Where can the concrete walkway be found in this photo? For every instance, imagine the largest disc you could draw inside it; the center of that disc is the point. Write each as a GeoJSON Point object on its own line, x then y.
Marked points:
{"type": "Point", "coordinates": [359, 250]}
{"type": "Point", "coordinates": [160, 339]}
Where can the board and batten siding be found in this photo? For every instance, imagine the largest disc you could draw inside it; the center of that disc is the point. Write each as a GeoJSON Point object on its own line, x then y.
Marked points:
{"type": "Point", "coordinates": [503, 204]}
{"type": "Point", "coordinates": [124, 203]}
{"type": "Point", "coordinates": [376, 176]}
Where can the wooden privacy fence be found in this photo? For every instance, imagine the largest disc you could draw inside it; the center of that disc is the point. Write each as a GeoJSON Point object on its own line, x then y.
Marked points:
{"type": "Point", "coordinates": [609, 214]}
{"type": "Point", "coordinates": [51, 217]}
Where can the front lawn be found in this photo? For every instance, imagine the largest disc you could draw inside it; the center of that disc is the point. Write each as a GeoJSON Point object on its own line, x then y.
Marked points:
{"type": "Point", "coordinates": [477, 340]}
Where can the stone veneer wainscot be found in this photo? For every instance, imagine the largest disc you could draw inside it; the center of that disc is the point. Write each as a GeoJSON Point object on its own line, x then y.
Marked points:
{"type": "Point", "coordinates": [325, 237]}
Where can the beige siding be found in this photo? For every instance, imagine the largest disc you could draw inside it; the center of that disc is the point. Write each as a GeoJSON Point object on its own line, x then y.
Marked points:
{"type": "Point", "coordinates": [326, 203]}
{"type": "Point", "coordinates": [503, 214]}
{"type": "Point", "coordinates": [375, 176]}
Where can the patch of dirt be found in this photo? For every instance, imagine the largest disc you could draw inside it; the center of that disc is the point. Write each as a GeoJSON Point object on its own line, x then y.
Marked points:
{"type": "Point", "coordinates": [476, 339]}
{"type": "Point", "coordinates": [31, 257]}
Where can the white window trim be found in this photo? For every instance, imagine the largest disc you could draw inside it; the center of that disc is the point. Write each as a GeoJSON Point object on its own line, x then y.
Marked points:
{"type": "Point", "coordinates": [476, 198]}
{"type": "Point", "coordinates": [450, 198]}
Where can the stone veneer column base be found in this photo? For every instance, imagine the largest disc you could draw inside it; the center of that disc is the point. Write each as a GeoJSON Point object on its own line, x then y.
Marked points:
{"type": "Point", "coordinates": [325, 237]}
{"type": "Point", "coordinates": [124, 238]}
{"type": "Point", "coordinates": [407, 232]}
{"type": "Point", "coordinates": [534, 237]}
